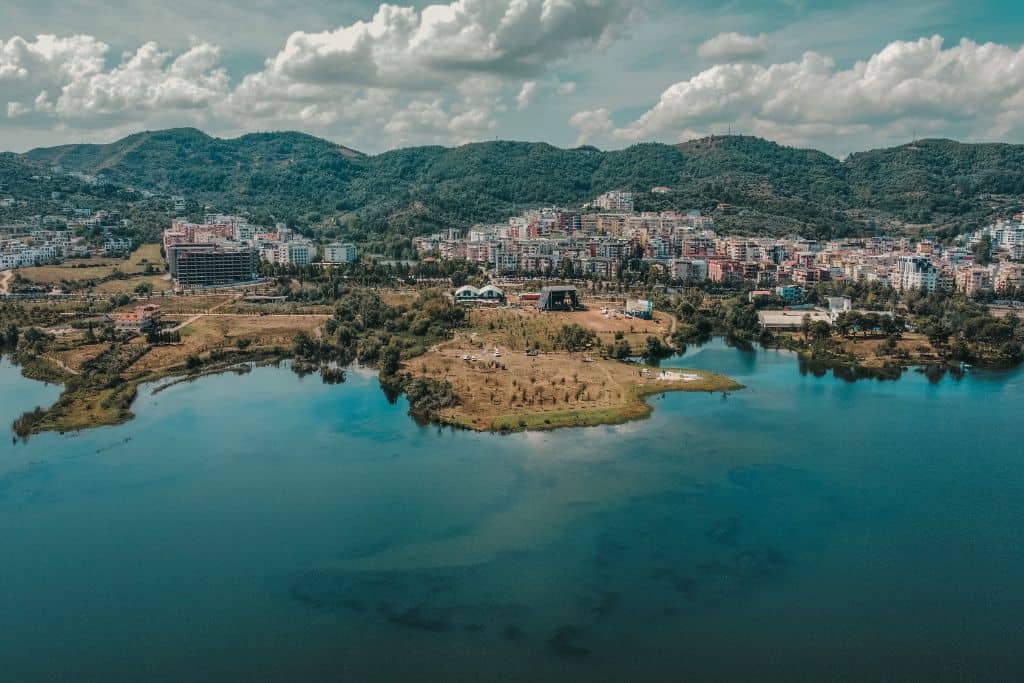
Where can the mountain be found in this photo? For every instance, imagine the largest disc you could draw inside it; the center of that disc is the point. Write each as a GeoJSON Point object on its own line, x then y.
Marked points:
{"type": "Point", "coordinates": [937, 186]}
{"type": "Point", "coordinates": [41, 191]}
{"type": "Point", "coordinates": [938, 180]}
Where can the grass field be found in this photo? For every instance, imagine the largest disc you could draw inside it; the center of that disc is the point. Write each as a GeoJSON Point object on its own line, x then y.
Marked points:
{"type": "Point", "coordinates": [520, 328]}
{"type": "Point", "coordinates": [160, 283]}
{"type": "Point", "coordinates": [79, 270]}
{"type": "Point", "coordinates": [76, 357]}
{"type": "Point", "coordinates": [222, 332]}
{"type": "Point", "coordinates": [913, 345]}
{"type": "Point", "coordinates": [553, 389]}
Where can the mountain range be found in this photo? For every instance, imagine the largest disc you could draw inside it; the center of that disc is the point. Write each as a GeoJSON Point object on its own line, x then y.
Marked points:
{"type": "Point", "coordinates": [749, 184]}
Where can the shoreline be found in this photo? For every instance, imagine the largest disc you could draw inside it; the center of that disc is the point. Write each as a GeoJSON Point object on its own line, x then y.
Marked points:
{"type": "Point", "coordinates": [94, 407]}
{"type": "Point", "coordinates": [637, 407]}
{"type": "Point", "coordinates": [81, 408]}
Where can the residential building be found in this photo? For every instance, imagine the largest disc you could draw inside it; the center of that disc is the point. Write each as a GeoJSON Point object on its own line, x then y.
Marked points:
{"type": "Point", "coordinates": [615, 201]}
{"type": "Point", "coordinates": [973, 279]}
{"type": "Point", "coordinates": [915, 272]}
{"type": "Point", "coordinates": [337, 252]}
{"type": "Point", "coordinates": [142, 319]}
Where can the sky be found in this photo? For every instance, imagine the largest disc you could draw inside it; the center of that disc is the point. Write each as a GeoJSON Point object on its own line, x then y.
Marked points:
{"type": "Point", "coordinates": [837, 76]}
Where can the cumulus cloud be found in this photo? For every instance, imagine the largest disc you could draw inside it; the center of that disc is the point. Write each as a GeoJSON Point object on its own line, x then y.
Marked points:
{"type": "Point", "coordinates": [440, 73]}
{"type": "Point", "coordinates": [526, 94]}
{"type": "Point", "coordinates": [531, 90]}
{"type": "Point", "coordinates": [593, 125]}
{"type": "Point", "coordinates": [971, 90]}
{"type": "Point", "coordinates": [67, 79]}
{"type": "Point", "coordinates": [423, 58]}
{"type": "Point", "coordinates": [403, 47]}
{"type": "Point", "coordinates": [733, 47]}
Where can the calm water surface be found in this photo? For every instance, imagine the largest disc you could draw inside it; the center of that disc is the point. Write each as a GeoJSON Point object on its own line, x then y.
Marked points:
{"type": "Point", "coordinates": [268, 527]}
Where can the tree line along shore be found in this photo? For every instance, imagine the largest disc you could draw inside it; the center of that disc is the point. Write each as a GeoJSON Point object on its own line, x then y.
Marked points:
{"type": "Point", "coordinates": [466, 367]}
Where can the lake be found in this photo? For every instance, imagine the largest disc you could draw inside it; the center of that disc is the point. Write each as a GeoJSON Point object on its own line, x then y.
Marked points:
{"type": "Point", "coordinates": [270, 527]}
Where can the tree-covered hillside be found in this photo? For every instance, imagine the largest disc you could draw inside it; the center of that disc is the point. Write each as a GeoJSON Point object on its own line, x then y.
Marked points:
{"type": "Point", "coordinates": [767, 187]}
{"type": "Point", "coordinates": [940, 181]}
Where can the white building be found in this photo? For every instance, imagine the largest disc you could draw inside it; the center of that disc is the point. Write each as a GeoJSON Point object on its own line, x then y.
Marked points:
{"type": "Point", "coordinates": [615, 201]}
{"type": "Point", "coordinates": [837, 305]}
{"type": "Point", "coordinates": [337, 252]}
{"type": "Point", "coordinates": [117, 245]}
{"type": "Point", "coordinates": [295, 253]}
{"type": "Point", "coordinates": [915, 272]}
{"type": "Point", "coordinates": [245, 232]}
{"type": "Point", "coordinates": [690, 270]}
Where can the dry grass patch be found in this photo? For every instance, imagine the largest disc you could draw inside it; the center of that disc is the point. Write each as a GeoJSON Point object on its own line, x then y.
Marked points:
{"type": "Point", "coordinates": [223, 332]}
{"type": "Point", "coordinates": [160, 283]}
{"type": "Point", "coordinates": [514, 391]}
{"type": "Point", "coordinates": [77, 270]}
{"type": "Point", "coordinates": [77, 357]}
{"type": "Point", "coordinates": [199, 303]}
{"type": "Point", "coordinates": [915, 345]}
{"type": "Point", "coordinates": [521, 328]}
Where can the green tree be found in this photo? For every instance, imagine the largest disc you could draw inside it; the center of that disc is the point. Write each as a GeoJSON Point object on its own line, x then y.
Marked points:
{"type": "Point", "coordinates": [390, 360]}
{"type": "Point", "coordinates": [983, 251]}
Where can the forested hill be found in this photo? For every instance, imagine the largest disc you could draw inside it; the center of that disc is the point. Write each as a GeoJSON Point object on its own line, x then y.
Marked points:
{"type": "Point", "coordinates": [935, 186]}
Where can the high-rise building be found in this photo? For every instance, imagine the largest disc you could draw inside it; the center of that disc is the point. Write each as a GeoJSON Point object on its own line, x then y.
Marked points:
{"type": "Point", "coordinates": [915, 272]}
{"type": "Point", "coordinates": [208, 265]}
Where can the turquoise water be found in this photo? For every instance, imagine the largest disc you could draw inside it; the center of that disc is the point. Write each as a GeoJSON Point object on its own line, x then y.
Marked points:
{"type": "Point", "coordinates": [267, 527]}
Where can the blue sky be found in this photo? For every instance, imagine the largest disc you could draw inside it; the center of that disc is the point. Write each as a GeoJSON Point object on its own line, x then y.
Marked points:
{"type": "Point", "coordinates": [839, 76]}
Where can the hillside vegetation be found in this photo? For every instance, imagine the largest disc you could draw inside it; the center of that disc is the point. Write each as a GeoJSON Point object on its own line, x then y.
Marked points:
{"type": "Point", "coordinates": [936, 186]}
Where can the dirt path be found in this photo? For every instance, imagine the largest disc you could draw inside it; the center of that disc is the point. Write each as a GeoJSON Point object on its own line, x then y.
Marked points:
{"type": "Point", "coordinates": [58, 362]}
{"type": "Point", "coordinates": [191, 319]}
{"type": "Point", "coordinates": [180, 326]}
{"type": "Point", "coordinates": [211, 311]}
{"type": "Point", "coordinates": [222, 303]}
{"type": "Point", "coordinates": [5, 280]}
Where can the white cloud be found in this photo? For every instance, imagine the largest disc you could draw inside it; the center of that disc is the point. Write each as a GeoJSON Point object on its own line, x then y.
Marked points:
{"type": "Point", "coordinates": [450, 60]}
{"type": "Point", "coordinates": [531, 90]}
{"type": "Point", "coordinates": [66, 79]}
{"type": "Point", "coordinates": [526, 95]}
{"type": "Point", "coordinates": [442, 73]}
{"type": "Point", "coordinates": [593, 125]}
{"type": "Point", "coordinates": [733, 47]}
{"type": "Point", "coordinates": [148, 80]}
{"type": "Point", "coordinates": [970, 90]}
{"type": "Point", "coordinates": [403, 47]}
{"type": "Point", "coordinates": [28, 68]}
